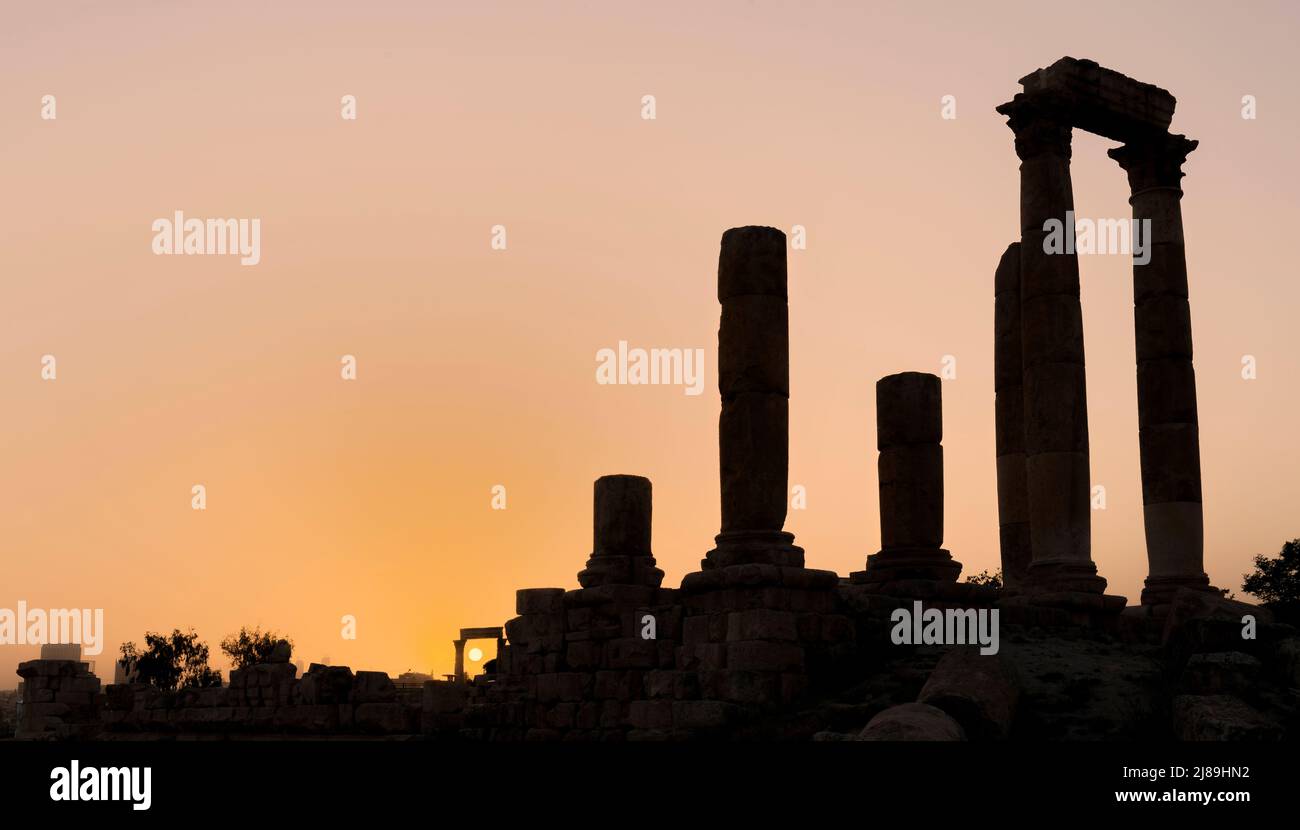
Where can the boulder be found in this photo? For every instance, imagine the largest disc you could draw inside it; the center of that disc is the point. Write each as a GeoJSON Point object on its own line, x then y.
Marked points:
{"type": "Point", "coordinates": [978, 690]}
{"type": "Point", "coordinates": [1220, 672]}
{"type": "Point", "coordinates": [1286, 658]}
{"type": "Point", "coordinates": [1220, 718]}
{"type": "Point", "coordinates": [1200, 622]}
{"type": "Point", "coordinates": [912, 722]}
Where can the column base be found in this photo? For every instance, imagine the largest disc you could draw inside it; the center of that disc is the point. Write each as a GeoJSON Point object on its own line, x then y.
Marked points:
{"type": "Point", "coordinates": [1063, 575]}
{"type": "Point", "coordinates": [753, 547]}
{"type": "Point", "coordinates": [1160, 590]}
{"type": "Point", "coordinates": [620, 570]}
{"type": "Point", "coordinates": [934, 564]}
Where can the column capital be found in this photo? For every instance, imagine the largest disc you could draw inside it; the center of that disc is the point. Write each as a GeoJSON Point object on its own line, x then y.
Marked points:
{"type": "Point", "coordinates": [1039, 129]}
{"type": "Point", "coordinates": [1154, 161]}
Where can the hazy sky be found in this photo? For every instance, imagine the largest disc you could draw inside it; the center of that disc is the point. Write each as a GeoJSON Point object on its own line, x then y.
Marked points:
{"type": "Point", "coordinates": [476, 367]}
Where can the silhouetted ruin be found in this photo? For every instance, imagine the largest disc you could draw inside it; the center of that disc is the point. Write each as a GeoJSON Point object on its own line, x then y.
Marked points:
{"type": "Point", "coordinates": [757, 644]}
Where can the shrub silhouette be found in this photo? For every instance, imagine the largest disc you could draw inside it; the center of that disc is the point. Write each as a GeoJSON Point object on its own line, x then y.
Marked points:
{"type": "Point", "coordinates": [250, 647]}
{"type": "Point", "coordinates": [171, 661]}
{"type": "Point", "coordinates": [1276, 582]}
{"type": "Point", "coordinates": [993, 580]}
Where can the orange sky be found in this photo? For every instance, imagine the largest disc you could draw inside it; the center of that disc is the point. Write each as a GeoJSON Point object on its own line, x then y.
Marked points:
{"type": "Point", "coordinates": [477, 367]}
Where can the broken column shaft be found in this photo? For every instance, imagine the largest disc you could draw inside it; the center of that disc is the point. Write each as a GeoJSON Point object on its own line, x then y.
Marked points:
{"type": "Point", "coordinates": [621, 537]}
{"type": "Point", "coordinates": [754, 382]}
{"type": "Point", "coordinates": [909, 432]}
{"type": "Point", "coordinates": [1008, 386]}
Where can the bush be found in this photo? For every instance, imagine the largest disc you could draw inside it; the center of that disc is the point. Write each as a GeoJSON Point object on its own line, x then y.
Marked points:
{"type": "Point", "coordinates": [993, 580]}
{"type": "Point", "coordinates": [249, 648]}
{"type": "Point", "coordinates": [1276, 582]}
{"type": "Point", "coordinates": [175, 661]}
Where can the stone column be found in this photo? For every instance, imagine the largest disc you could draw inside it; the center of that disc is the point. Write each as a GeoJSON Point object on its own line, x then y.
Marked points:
{"type": "Point", "coordinates": [754, 381]}
{"type": "Point", "coordinates": [909, 432]}
{"type": "Point", "coordinates": [1051, 331]}
{"type": "Point", "coordinates": [460, 660]}
{"type": "Point", "coordinates": [621, 539]}
{"type": "Point", "coordinates": [1168, 433]}
{"type": "Point", "coordinates": [1008, 387]}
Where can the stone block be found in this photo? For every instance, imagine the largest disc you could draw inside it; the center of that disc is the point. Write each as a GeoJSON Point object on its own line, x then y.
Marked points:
{"type": "Point", "coordinates": [1164, 274]}
{"type": "Point", "coordinates": [1054, 322]}
{"type": "Point", "coordinates": [911, 496]}
{"type": "Point", "coordinates": [1056, 408]}
{"type": "Point", "coordinates": [441, 698]}
{"type": "Point", "coordinates": [757, 655]}
{"type": "Point", "coordinates": [754, 426]}
{"type": "Point", "coordinates": [704, 714]}
{"type": "Point", "coordinates": [1166, 392]}
{"type": "Point", "coordinates": [1042, 273]}
{"type": "Point", "coordinates": [618, 685]}
{"type": "Point", "coordinates": [1171, 463]}
{"type": "Point", "coordinates": [1163, 325]}
{"type": "Point", "coordinates": [373, 687]}
{"type": "Point", "coordinates": [631, 653]}
{"type": "Point", "coordinates": [752, 260]}
{"type": "Point", "coordinates": [909, 410]}
{"type": "Point", "coordinates": [761, 624]}
{"type": "Point", "coordinates": [384, 718]}
{"type": "Point", "coordinates": [583, 655]}
{"type": "Point", "coordinates": [573, 686]}
{"type": "Point", "coordinates": [757, 688]}
{"type": "Point", "coordinates": [651, 714]}
{"type": "Point", "coordinates": [539, 601]}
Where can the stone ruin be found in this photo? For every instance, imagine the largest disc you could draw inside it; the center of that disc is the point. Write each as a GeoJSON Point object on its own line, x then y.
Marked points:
{"type": "Point", "coordinates": [1042, 412]}
{"type": "Point", "coordinates": [755, 644]}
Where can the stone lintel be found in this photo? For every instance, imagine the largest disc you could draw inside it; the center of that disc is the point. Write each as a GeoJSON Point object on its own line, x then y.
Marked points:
{"type": "Point", "coordinates": [1100, 100]}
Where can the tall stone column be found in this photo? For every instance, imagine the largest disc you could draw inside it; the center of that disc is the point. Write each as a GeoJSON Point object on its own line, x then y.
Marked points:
{"type": "Point", "coordinates": [909, 432]}
{"type": "Point", "coordinates": [1168, 431]}
{"type": "Point", "coordinates": [754, 382]}
{"type": "Point", "coordinates": [460, 660]}
{"type": "Point", "coordinates": [621, 537]}
{"type": "Point", "coordinates": [1051, 331]}
{"type": "Point", "coordinates": [1009, 395]}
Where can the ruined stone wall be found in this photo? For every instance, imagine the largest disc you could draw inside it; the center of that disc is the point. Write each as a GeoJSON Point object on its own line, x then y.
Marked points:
{"type": "Point", "coordinates": [268, 698]}
{"type": "Point", "coordinates": [64, 701]}
{"type": "Point", "coordinates": [59, 700]}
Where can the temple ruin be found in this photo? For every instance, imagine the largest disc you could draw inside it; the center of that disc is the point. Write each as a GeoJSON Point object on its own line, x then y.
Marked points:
{"type": "Point", "coordinates": [755, 644]}
{"type": "Point", "coordinates": [1042, 409]}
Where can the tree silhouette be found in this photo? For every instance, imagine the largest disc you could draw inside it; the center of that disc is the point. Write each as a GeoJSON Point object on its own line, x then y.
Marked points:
{"type": "Point", "coordinates": [171, 661]}
{"type": "Point", "coordinates": [1277, 581]}
{"type": "Point", "coordinates": [993, 580]}
{"type": "Point", "coordinates": [250, 647]}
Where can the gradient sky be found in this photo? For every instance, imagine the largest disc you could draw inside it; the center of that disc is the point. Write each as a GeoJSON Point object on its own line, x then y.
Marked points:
{"type": "Point", "coordinates": [477, 367]}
